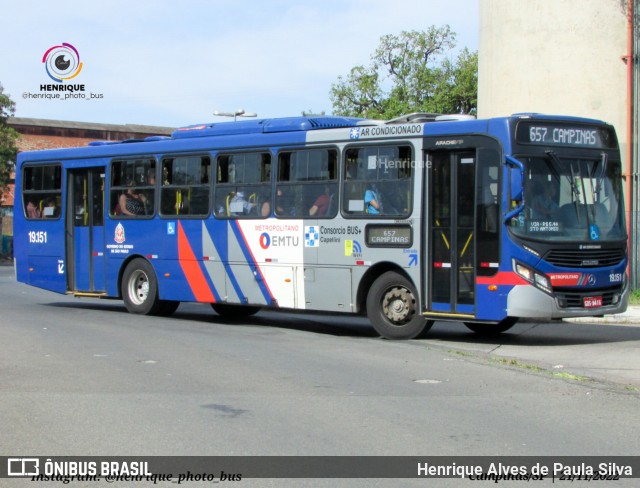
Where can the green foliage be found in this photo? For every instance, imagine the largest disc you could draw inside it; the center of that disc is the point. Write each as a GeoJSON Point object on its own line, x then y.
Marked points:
{"type": "Point", "coordinates": [634, 297]}
{"type": "Point", "coordinates": [311, 113]}
{"type": "Point", "coordinates": [408, 73]}
{"type": "Point", "coordinates": [8, 138]}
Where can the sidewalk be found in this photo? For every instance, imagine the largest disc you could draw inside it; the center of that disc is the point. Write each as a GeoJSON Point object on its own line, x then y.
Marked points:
{"type": "Point", "coordinates": [631, 316]}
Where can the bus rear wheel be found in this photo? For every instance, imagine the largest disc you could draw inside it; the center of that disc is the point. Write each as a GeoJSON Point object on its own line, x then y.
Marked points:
{"type": "Point", "coordinates": [488, 330]}
{"type": "Point", "coordinates": [140, 288]}
{"type": "Point", "coordinates": [394, 309]}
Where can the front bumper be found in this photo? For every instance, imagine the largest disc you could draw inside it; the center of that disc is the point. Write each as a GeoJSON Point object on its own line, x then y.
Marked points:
{"type": "Point", "coordinates": [527, 301]}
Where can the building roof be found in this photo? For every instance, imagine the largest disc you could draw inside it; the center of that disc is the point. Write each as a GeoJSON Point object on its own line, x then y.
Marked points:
{"type": "Point", "coordinates": [68, 124]}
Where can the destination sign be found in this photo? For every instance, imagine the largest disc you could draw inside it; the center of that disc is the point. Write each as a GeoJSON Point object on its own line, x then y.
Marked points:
{"type": "Point", "coordinates": [550, 134]}
{"type": "Point", "coordinates": [393, 235]}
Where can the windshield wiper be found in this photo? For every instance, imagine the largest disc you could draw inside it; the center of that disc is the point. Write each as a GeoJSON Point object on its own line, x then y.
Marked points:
{"type": "Point", "coordinates": [556, 165]}
{"type": "Point", "coordinates": [600, 178]}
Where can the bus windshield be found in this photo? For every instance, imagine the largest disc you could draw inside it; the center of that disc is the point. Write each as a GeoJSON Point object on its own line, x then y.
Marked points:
{"type": "Point", "coordinates": [571, 199]}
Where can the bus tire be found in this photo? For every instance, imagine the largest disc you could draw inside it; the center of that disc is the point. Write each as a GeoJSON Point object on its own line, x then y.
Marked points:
{"type": "Point", "coordinates": [489, 330]}
{"type": "Point", "coordinates": [394, 309]}
{"type": "Point", "coordinates": [234, 311]}
{"type": "Point", "coordinates": [140, 288]}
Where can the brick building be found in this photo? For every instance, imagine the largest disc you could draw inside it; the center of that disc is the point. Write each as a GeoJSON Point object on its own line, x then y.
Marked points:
{"type": "Point", "coordinates": [38, 134]}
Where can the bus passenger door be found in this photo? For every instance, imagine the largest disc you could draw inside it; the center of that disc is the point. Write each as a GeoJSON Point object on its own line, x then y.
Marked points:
{"type": "Point", "coordinates": [85, 230]}
{"type": "Point", "coordinates": [463, 225]}
{"type": "Point", "coordinates": [451, 237]}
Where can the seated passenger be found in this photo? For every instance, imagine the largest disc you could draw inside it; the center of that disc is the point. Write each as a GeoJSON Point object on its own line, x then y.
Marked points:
{"type": "Point", "coordinates": [372, 202]}
{"type": "Point", "coordinates": [544, 203]}
{"type": "Point", "coordinates": [238, 205]}
{"type": "Point", "coordinates": [50, 209]}
{"type": "Point", "coordinates": [33, 212]}
{"type": "Point", "coordinates": [321, 205]}
{"type": "Point", "coordinates": [131, 202]}
{"type": "Point", "coordinates": [284, 206]}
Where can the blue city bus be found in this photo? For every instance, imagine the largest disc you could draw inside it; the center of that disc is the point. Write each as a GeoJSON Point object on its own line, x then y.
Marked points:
{"type": "Point", "coordinates": [422, 218]}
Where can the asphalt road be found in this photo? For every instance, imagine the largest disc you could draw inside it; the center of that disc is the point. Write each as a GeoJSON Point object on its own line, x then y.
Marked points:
{"type": "Point", "coordinates": [83, 377]}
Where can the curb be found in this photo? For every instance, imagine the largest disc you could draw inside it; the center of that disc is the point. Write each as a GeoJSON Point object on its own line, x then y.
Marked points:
{"type": "Point", "coordinates": [631, 316]}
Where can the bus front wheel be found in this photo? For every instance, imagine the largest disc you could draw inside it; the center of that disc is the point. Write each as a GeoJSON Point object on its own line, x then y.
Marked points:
{"type": "Point", "coordinates": [140, 288]}
{"type": "Point", "coordinates": [393, 308]}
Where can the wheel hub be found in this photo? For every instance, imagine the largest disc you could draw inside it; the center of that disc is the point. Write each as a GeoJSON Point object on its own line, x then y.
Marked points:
{"type": "Point", "coordinates": [138, 287]}
{"type": "Point", "coordinates": [398, 305]}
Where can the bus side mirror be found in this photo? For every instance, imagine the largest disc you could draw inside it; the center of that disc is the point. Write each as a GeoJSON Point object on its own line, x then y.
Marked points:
{"type": "Point", "coordinates": [516, 180]}
{"type": "Point", "coordinates": [516, 184]}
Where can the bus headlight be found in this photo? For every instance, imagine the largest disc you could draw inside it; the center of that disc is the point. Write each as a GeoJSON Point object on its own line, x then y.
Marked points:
{"type": "Point", "coordinates": [542, 282]}
{"type": "Point", "coordinates": [525, 272]}
{"type": "Point", "coordinates": [538, 279]}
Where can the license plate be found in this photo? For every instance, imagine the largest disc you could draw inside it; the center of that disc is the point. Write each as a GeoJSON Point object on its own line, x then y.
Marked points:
{"type": "Point", "coordinates": [592, 302]}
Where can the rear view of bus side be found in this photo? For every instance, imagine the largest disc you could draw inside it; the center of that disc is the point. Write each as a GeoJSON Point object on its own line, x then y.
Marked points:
{"type": "Point", "coordinates": [408, 221]}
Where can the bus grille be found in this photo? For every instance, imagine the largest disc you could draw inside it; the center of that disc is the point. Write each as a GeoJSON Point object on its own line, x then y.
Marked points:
{"type": "Point", "coordinates": [585, 258]}
{"type": "Point", "coordinates": [574, 299]}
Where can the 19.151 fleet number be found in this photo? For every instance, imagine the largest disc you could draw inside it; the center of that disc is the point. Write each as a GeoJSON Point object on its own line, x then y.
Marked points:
{"type": "Point", "coordinates": [37, 237]}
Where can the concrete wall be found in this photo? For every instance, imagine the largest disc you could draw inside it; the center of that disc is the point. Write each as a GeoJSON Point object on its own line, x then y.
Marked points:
{"type": "Point", "coordinates": [554, 56]}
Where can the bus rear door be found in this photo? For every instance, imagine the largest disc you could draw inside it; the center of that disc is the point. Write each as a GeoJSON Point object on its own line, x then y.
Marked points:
{"type": "Point", "coordinates": [85, 230]}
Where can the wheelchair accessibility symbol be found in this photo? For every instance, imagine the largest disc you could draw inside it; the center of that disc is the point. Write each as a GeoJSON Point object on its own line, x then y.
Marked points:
{"type": "Point", "coordinates": [594, 232]}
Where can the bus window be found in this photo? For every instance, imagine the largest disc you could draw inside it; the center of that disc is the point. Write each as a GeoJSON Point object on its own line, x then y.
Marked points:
{"type": "Point", "coordinates": [42, 191]}
{"type": "Point", "coordinates": [307, 184]}
{"type": "Point", "coordinates": [487, 211]}
{"type": "Point", "coordinates": [132, 193]}
{"type": "Point", "coordinates": [185, 186]}
{"type": "Point", "coordinates": [243, 185]}
{"type": "Point", "coordinates": [377, 181]}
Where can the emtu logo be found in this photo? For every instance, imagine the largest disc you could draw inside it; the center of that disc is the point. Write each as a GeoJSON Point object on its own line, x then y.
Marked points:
{"type": "Point", "coordinates": [62, 62]}
{"type": "Point", "coordinates": [265, 240]}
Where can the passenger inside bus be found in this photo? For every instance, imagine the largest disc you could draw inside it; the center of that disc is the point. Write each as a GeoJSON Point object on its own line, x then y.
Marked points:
{"type": "Point", "coordinates": [265, 209]}
{"type": "Point", "coordinates": [544, 204]}
{"type": "Point", "coordinates": [285, 206]}
{"type": "Point", "coordinates": [50, 209]}
{"type": "Point", "coordinates": [321, 205]}
{"type": "Point", "coordinates": [372, 202]}
{"type": "Point", "coordinates": [131, 202]}
{"type": "Point", "coordinates": [33, 212]}
{"type": "Point", "coordinates": [238, 204]}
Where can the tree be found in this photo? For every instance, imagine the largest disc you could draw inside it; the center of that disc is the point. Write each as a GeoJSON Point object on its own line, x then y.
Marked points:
{"type": "Point", "coordinates": [8, 138]}
{"type": "Point", "coordinates": [408, 73]}
{"type": "Point", "coordinates": [311, 113]}
{"type": "Point", "coordinates": [461, 91]}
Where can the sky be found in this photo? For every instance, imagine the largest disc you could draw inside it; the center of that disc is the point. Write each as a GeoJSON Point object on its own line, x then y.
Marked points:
{"type": "Point", "coordinates": [171, 64]}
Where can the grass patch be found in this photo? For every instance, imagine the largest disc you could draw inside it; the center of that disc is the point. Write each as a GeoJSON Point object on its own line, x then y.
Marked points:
{"type": "Point", "coordinates": [634, 297]}
{"type": "Point", "coordinates": [537, 369]}
{"type": "Point", "coordinates": [570, 376]}
{"type": "Point", "coordinates": [460, 353]}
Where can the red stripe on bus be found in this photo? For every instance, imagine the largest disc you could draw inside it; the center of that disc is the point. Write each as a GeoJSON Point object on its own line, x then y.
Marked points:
{"type": "Point", "coordinates": [191, 269]}
{"type": "Point", "coordinates": [502, 278]}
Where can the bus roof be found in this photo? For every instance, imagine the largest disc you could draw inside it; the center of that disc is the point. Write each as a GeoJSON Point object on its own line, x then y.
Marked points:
{"type": "Point", "coordinates": [286, 130]}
